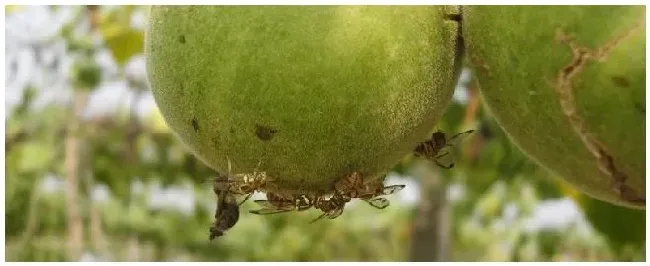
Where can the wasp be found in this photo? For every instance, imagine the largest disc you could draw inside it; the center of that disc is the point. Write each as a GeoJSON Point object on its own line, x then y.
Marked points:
{"type": "Point", "coordinates": [227, 212]}
{"type": "Point", "coordinates": [372, 193]}
{"type": "Point", "coordinates": [331, 207]}
{"type": "Point", "coordinates": [431, 149]}
{"type": "Point", "coordinates": [242, 184]}
{"type": "Point", "coordinates": [274, 203]}
{"type": "Point", "coordinates": [353, 186]}
{"type": "Point", "coordinates": [226, 216]}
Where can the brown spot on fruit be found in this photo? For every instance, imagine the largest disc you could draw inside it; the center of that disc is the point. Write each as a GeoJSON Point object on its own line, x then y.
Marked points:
{"type": "Point", "coordinates": [195, 125]}
{"type": "Point", "coordinates": [621, 81]}
{"type": "Point", "coordinates": [264, 133]}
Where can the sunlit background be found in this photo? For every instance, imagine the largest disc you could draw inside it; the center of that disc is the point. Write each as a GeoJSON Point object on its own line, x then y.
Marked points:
{"type": "Point", "coordinates": [93, 174]}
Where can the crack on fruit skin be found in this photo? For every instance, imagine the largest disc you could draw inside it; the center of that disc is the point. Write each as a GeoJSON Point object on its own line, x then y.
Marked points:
{"type": "Point", "coordinates": [264, 133]}
{"type": "Point", "coordinates": [460, 41]}
{"type": "Point", "coordinates": [454, 17]}
{"type": "Point", "coordinates": [563, 87]}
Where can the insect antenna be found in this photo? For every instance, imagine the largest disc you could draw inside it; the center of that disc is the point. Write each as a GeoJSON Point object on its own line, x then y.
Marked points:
{"type": "Point", "coordinates": [269, 211]}
{"type": "Point", "coordinates": [458, 135]}
{"type": "Point", "coordinates": [318, 218]}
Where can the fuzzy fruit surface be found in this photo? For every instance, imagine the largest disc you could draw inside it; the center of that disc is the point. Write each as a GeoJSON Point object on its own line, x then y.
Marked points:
{"type": "Point", "coordinates": [311, 94]}
{"type": "Point", "coordinates": [567, 83]}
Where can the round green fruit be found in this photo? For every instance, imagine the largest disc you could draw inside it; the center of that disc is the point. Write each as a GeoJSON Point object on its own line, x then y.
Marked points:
{"type": "Point", "coordinates": [306, 94]}
{"type": "Point", "coordinates": [567, 83]}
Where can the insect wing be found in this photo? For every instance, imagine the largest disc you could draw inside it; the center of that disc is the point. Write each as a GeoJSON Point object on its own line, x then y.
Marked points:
{"type": "Point", "coordinates": [378, 203]}
{"type": "Point", "coordinates": [392, 189]}
{"type": "Point", "coordinates": [269, 211]}
{"type": "Point", "coordinates": [265, 204]}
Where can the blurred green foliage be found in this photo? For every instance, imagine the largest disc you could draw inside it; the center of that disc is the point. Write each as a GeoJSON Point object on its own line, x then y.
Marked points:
{"type": "Point", "coordinates": [130, 157]}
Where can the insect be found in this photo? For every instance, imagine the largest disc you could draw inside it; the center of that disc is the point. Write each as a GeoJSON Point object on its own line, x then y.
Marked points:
{"type": "Point", "coordinates": [251, 182]}
{"type": "Point", "coordinates": [353, 186]}
{"type": "Point", "coordinates": [226, 216]}
{"type": "Point", "coordinates": [277, 204]}
{"type": "Point", "coordinates": [373, 191]}
{"type": "Point", "coordinates": [332, 207]}
{"type": "Point", "coordinates": [227, 212]}
{"type": "Point", "coordinates": [225, 187]}
{"type": "Point", "coordinates": [242, 184]}
{"type": "Point", "coordinates": [431, 149]}
{"type": "Point", "coordinates": [350, 185]}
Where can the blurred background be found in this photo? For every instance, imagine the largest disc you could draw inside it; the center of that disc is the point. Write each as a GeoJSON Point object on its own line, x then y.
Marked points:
{"type": "Point", "coordinates": [93, 174]}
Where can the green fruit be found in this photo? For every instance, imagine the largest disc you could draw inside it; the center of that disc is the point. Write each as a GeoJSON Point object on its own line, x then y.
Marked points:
{"type": "Point", "coordinates": [310, 93]}
{"type": "Point", "coordinates": [567, 83]}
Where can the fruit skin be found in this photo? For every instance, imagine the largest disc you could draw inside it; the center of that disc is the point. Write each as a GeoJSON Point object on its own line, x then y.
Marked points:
{"type": "Point", "coordinates": [311, 93]}
{"type": "Point", "coordinates": [518, 53]}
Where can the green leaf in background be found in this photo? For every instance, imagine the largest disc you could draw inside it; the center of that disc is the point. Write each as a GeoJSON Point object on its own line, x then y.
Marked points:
{"type": "Point", "coordinates": [124, 43]}
{"type": "Point", "coordinates": [12, 8]}
{"type": "Point", "coordinates": [35, 156]}
{"type": "Point", "coordinates": [87, 75]}
{"type": "Point", "coordinates": [122, 40]}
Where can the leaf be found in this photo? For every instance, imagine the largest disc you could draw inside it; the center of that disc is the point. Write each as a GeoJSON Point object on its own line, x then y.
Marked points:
{"type": "Point", "coordinates": [12, 8]}
{"type": "Point", "coordinates": [87, 75]}
{"type": "Point", "coordinates": [125, 44]}
{"type": "Point", "coordinates": [123, 41]}
{"type": "Point", "coordinates": [35, 156]}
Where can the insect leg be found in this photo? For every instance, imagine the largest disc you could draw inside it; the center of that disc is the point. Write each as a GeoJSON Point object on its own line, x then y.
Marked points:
{"type": "Point", "coordinates": [319, 217]}
{"type": "Point", "coordinates": [245, 199]}
{"type": "Point", "coordinates": [444, 166]}
{"type": "Point", "coordinates": [335, 213]}
{"type": "Point", "coordinates": [441, 155]}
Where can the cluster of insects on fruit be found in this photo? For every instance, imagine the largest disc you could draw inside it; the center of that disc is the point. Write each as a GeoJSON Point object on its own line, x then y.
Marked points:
{"type": "Point", "coordinates": [432, 149]}
{"type": "Point", "coordinates": [352, 186]}
{"type": "Point", "coordinates": [227, 187]}
{"type": "Point", "coordinates": [331, 204]}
